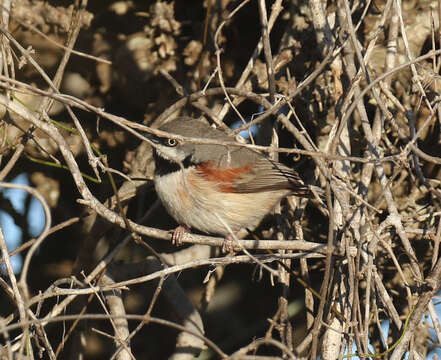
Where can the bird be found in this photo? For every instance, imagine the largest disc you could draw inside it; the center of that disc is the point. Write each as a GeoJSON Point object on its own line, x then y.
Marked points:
{"type": "Point", "coordinates": [215, 188]}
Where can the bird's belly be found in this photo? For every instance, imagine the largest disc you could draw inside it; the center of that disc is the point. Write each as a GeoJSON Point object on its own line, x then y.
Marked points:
{"type": "Point", "coordinates": [199, 204]}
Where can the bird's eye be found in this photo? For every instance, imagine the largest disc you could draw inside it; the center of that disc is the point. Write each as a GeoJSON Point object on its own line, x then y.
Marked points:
{"type": "Point", "coordinates": [172, 142]}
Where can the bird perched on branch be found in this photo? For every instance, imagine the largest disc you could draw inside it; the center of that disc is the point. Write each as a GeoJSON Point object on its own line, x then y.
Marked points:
{"type": "Point", "coordinates": [217, 189]}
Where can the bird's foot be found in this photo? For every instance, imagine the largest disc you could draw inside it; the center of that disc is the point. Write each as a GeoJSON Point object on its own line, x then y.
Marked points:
{"type": "Point", "coordinates": [227, 246]}
{"type": "Point", "coordinates": [178, 233]}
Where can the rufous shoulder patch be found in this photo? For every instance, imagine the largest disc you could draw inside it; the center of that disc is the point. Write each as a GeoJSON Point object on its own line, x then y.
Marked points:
{"type": "Point", "coordinates": [225, 176]}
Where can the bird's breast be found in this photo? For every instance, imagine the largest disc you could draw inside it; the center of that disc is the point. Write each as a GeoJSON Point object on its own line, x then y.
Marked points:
{"type": "Point", "coordinates": [200, 203]}
{"type": "Point", "coordinates": [174, 192]}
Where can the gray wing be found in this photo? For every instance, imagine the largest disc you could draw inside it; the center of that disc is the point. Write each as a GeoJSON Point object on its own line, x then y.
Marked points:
{"type": "Point", "coordinates": [263, 173]}
{"type": "Point", "coordinates": [267, 175]}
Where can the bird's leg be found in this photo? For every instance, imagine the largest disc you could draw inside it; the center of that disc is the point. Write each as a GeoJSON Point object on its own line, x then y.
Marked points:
{"type": "Point", "coordinates": [178, 233]}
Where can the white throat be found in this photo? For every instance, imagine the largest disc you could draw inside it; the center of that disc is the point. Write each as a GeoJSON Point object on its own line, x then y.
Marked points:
{"type": "Point", "coordinates": [171, 153]}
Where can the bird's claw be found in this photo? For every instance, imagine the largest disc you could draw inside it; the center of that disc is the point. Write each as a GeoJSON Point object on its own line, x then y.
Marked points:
{"type": "Point", "coordinates": [227, 246]}
{"type": "Point", "coordinates": [178, 233]}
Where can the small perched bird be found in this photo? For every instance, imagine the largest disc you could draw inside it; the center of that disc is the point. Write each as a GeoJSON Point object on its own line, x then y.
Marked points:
{"type": "Point", "coordinates": [217, 189]}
